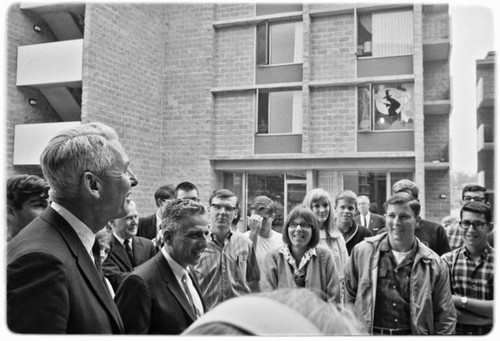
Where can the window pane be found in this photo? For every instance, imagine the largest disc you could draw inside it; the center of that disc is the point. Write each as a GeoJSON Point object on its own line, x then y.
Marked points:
{"type": "Point", "coordinates": [392, 33]}
{"type": "Point", "coordinates": [295, 195]}
{"type": "Point", "coordinates": [282, 43]}
{"type": "Point", "coordinates": [263, 113]}
{"type": "Point", "coordinates": [262, 44]}
{"type": "Point", "coordinates": [393, 106]}
{"type": "Point", "coordinates": [281, 108]}
{"type": "Point", "coordinates": [364, 106]}
{"type": "Point", "coordinates": [371, 184]}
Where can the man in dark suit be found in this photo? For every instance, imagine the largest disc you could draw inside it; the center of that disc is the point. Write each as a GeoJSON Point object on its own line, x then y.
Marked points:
{"type": "Point", "coordinates": [149, 226]}
{"type": "Point", "coordinates": [372, 221]}
{"type": "Point", "coordinates": [126, 250]}
{"type": "Point", "coordinates": [53, 284]}
{"type": "Point", "coordinates": [162, 296]}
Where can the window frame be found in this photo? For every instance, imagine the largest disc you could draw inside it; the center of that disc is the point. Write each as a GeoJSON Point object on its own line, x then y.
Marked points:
{"type": "Point", "coordinates": [296, 115]}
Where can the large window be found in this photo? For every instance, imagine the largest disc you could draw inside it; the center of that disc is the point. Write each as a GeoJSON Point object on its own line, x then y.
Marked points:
{"type": "Point", "coordinates": [279, 43]}
{"type": "Point", "coordinates": [386, 106]}
{"type": "Point", "coordinates": [383, 34]}
{"type": "Point", "coordinates": [279, 112]}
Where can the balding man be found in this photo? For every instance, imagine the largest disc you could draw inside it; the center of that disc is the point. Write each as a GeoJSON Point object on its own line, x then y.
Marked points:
{"type": "Point", "coordinates": [372, 221]}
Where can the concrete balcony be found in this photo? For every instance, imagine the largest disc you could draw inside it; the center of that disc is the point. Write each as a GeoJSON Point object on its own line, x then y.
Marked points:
{"type": "Point", "coordinates": [31, 139]}
{"type": "Point", "coordinates": [484, 99]}
{"type": "Point", "coordinates": [485, 138]}
{"type": "Point", "coordinates": [55, 69]}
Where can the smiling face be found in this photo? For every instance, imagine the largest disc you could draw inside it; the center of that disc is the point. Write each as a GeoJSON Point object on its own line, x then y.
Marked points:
{"type": "Point", "coordinates": [187, 242]}
{"type": "Point", "coordinates": [344, 211]}
{"type": "Point", "coordinates": [475, 238]}
{"type": "Point", "coordinates": [401, 223]}
{"type": "Point", "coordinates": [126, 227]}
{"type": "Point", "coordinates": [321, 209]}
{"type": "Point", "coordinates": [116, 183]}
{"type": "Point", "coordinates": [299, 233]}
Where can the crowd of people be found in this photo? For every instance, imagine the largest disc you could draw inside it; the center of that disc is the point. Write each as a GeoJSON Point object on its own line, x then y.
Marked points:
{"type": "Point", "coordinates": [80, 260]}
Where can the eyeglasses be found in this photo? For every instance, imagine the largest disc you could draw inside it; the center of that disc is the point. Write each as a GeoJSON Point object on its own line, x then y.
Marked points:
{"type": "Point", "coordinates": [228, 208]}
{"type": "Point", "coordinates": [478, 225]}
{"type": "Point", "coordinates": [469, 198]}
{"type": "Point", "coordinates": [302, 225]}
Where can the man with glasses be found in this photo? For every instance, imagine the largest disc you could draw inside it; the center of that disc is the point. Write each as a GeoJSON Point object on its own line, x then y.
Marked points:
{"type": "Point", "coordinates": [472, 270]}
{"type": "Point", "coordinates": [228, 267]}
{"type": "Point", "coordinates": [263, 237]}
{"type": "Point", "coordinates": [470, 192]}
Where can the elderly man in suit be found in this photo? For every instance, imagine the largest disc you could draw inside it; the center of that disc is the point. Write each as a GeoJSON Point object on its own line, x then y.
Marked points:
{"type": "Point", "coordinates": [372, 221]}
{"type": "Point", "coordinates": [53, 284]}
{"type": "Point", "coordinates": [162, 296]}
{"type": "Point", "coordinates": [126, 250]}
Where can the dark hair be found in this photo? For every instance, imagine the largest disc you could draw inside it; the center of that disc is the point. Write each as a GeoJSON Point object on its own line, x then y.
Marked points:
{"type": "Point", "coordinates": [307, 215]}
{"type": "Point", "coordinates": [475, 188]}
{"type": "Point", "coordinates": [21, 187]}
{"type": "Point", "coordinates": [405, 185]}
{"type": "Point", "coordinates": [223, 194]}
{"type": "Point", "coordinates": [403, 198]}
{"type": "Point", "coordinates": [186, 186]}
{"type": "Point", "coordinates": [346, 195]}
{"type": "Point", "coordinates": [177, 210]}
{"type": "Point", "coordinates": [164, 192]}
{"type": "Point", "coordinates": [263, 202]}
{"type": "Point", "coordinates": [477, 207]}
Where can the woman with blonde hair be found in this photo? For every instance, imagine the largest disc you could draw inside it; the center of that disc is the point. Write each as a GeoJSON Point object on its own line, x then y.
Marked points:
{"type": "Point", "coordinates": [318, 200]}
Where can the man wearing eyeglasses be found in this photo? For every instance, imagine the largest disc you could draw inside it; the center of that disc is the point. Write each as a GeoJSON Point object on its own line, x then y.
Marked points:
{"type": "Point", "coordinates": [228, 267]}
{"type": "Point", "coordinates": [470, 192]}
{"type": "Point", "coordinates": [471, 271]}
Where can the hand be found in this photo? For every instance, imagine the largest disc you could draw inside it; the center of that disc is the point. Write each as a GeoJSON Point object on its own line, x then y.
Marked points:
{"type": "Point", "coordinates": [255, 223]}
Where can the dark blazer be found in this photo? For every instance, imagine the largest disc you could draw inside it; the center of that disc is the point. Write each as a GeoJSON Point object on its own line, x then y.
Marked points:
{"type": "Point", "coordinates": [117, 266]}
{"type": "Point", "coordinates": [147, 227]}
{"type": "Point", "coordinates": [377, 222]}
{"type": "Point", "coordinates": [52, 284]}
{"type": "Point", "coordinates": [151, 301]}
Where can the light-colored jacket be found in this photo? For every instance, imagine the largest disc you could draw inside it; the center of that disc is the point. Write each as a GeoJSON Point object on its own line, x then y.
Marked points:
{"type": "Point", "coordinates": [431, 308]}
{"type": "Point", "coordinates": [321, 274]}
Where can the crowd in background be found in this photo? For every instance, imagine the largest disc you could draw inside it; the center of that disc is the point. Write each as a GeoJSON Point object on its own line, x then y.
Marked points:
{"type": "Point", "coordinates": [81, 260]}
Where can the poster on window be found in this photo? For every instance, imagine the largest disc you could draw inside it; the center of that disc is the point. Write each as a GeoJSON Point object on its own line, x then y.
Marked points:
{"type": "Point", "coordinates": [393, 106]}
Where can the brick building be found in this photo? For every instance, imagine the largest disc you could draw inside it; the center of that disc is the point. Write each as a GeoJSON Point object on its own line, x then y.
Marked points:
{"type": "Point", "coordinates": [485, 100]}
{"type": "Point", "coordinates": [259, 98]}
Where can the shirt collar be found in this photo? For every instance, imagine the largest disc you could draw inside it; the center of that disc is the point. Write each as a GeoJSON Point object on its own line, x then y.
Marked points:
{"type": "Point", "coordinates": [213, 237]}
{"type": "Point", "coordinates": [285, 251]}
{"type": "Point", "coordinates": [177, 269]}
{"type": "Point", "coordinates": [158, 220]}
{"type": "Point", "coordinates": [84, 233]}
{"type": "Point", "coordinates": [484, 253]}
{"type": "Point", "coordinates": [121, 240]}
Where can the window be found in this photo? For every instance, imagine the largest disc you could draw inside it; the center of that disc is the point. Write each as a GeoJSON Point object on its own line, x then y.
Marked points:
{"type": "Point", "coordinates": [386, 106]}
{"type": "Point", "coordinates": [383, 34]}
{"type": "Point", "coordinates": [279, 43]}
{"type": "Point", "coordinates": [279, 112]}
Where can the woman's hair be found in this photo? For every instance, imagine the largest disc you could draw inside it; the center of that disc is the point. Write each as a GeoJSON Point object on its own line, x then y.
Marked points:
{"type": "Point", "coordinates": [285, 312]}
{"type": "Point", "coordinates": [318, 195]}
{"type": "Point", "coordinates": [308, 217]}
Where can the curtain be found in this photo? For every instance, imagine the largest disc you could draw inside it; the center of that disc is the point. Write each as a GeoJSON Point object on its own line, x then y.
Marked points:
{"type": "Point", "coordinates": [392, 33]}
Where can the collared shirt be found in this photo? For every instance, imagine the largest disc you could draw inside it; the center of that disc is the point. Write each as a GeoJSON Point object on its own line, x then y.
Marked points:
{"type": "Point", "coordinates": [455, 236]}
{"type": "Point", "coordinates": [299, 272]}
{"type": "Point", "coordinates": [84, 233]}
{"type": "Point", "coordinates": [225, 271]}
{"type": "Point", "coordinates": [468, 278]}
{"type": "Point", "coordinates": [158, 221]}
{"type": "Point", "coordinates": [121, 240]}
{"type": "Point", "coordinates": [179, 273]}
{"type": "Point", "coordinates": [392, 303]}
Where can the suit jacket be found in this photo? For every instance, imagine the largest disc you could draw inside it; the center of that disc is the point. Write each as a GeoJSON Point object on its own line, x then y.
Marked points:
{"type": "Point", "coordinates": [377, 222]}
{"type": "Point", "coordinates": [147, 227]}
{"type": "Point", "coordinates": [52, 284]}
{"type": "Point", "coordinates": [151, 301]}
{"type": "Point", "coordinates": [117, 266]}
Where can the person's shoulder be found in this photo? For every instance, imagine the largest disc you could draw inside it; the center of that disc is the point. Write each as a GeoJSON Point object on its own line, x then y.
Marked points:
{"type": "Point", "coordinates": [378, 216]}
{"type": "Point", "coordinates": [429, 224]}
{"type": "Point", "coordinates": [144, 241]}
{"type": "Point", "coordinates": [448, 256]}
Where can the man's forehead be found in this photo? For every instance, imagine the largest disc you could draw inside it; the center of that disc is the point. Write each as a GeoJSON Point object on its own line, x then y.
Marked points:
{"type": "Point", "coordinates": [467, 215]}
{"type": "Point", "coordinates": [477, 194]}
{"type": "Point", "coordinates": [217, 200]}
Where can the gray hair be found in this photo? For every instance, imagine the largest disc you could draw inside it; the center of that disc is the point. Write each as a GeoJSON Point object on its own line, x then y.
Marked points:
{"type": "Point", "coordinates": [73, 152]}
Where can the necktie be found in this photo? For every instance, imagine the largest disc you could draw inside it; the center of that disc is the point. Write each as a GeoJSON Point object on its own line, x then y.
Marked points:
{"type": "Point", "coordinates": [366, 220]}
{"type": "Point", "coordinates": [188, 294]}
{"type": "Point", "coordinates": [129, 252]}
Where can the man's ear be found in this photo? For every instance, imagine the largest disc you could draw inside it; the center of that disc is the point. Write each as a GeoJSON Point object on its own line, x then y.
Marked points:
{"type": "Point", "coordinates": [490, 227]}
{"type": "Point", "coordinates": [92, 184]}
{"type": "Point", "coordinates": [167, 237]}
{"type": "Point", "coordinates": [11, 212]}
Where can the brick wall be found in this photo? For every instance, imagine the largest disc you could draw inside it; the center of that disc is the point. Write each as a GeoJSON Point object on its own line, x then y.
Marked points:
{"type": "Point", "coordinates": [188, 76]}
{"type": "Point", "coordinates": [234, 124]}
{"type": "Point", "coordinates": [20, 32]}
{"type": "Point", "coordinates": [234, 56]}
{"type": "Point", "coordinates": [225, 11]}
{"type": "Point", "coordinates": [332, 47]}
{"type": "Point", "coordinates": [437, 182]}
{"type": "Point", "coordinates": [333, 120]}
{"type": "Point", "coordinates": [435, 25]}
{"type": "Point", "coordinates": [436, 137]}
{"type": "Point", "coordinates": [122, 85]}
{"type": "Point", "coordinates": [436, 80]}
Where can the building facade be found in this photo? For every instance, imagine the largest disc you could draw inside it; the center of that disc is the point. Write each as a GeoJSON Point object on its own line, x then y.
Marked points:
{"type": "Point", "coordinates": [258, 98]}
{"type": "Point", "coordinates": [485, 100]}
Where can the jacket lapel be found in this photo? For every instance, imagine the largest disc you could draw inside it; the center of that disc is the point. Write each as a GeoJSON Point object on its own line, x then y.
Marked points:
{"type": "Point", "coordinates": [121, 254]}
{"type": "Point", "coordinates": [85, 264]}
{"type": "Point", "coordinates": [173, 285]}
